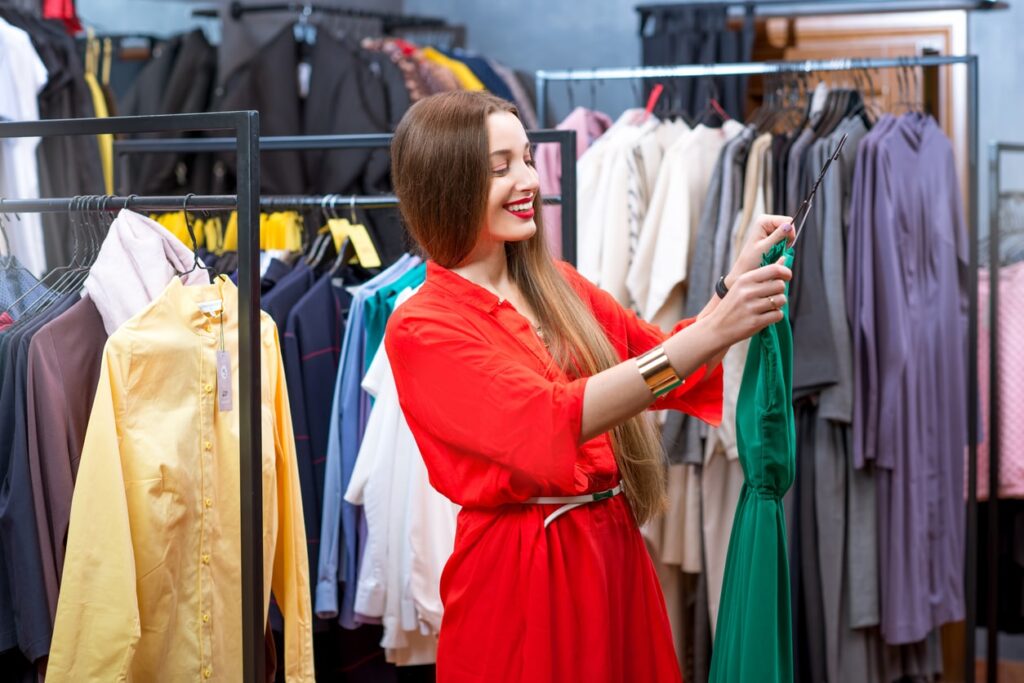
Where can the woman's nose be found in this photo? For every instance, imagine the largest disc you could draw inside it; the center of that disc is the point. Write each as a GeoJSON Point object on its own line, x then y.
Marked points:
{"type": "Point", "coordinates": [527, 179]}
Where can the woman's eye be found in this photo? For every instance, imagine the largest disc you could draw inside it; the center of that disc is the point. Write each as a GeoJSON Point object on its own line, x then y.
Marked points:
{"type": "Point", "coordinates": [500, 171]}
{"type": "Point", "coordinates": [531, 163]}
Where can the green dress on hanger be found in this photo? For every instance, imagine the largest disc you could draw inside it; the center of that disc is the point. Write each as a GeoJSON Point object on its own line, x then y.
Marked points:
{"type": "Point", "coordinates": [754, 638]}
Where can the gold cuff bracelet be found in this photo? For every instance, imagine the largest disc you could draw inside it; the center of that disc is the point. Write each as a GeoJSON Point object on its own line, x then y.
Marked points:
{"type": "Point", "coordinates": [659, 374]}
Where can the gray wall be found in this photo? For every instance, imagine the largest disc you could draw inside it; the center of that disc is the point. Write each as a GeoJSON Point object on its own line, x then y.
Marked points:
{"type": "Point", "coordinates": [551, 34]}
{"type": "Point", "coordinates": [153, 17]}
{"type": "Point", "coordinates": [167, 17]}
{"type": "Point", "coordinates": [996, 38]}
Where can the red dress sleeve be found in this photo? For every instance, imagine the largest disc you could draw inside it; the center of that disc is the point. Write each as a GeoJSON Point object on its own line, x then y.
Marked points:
{"type": "Point", "coordinates": [472, 405]}
{"type": "Point", "coordinates": [700, 394]}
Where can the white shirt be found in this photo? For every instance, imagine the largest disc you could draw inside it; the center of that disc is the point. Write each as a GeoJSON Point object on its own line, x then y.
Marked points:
{"type": "Point", "coordinates": [370, 488]}
{"type": "Point", "coordinates": [605, 212]}
{"type": "Point", "coordinates": [643, 161]}
{"type": "Point", "coordinates": [592, 183]}
{"type": "Point", "coordinates": [659, 269]}
{"type": "Point", "coordinates": [410, 527]}
{"type": "Point", "coordinates": [432, 536]}
{"type": "Point", "coordinates": [22, 77]}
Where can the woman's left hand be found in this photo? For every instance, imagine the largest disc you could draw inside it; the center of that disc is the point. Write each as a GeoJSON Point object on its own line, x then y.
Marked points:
{"type": "Point", "coordinates": [769, 230]}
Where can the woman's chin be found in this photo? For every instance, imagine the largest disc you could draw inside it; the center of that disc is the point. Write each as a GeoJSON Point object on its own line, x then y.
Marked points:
{"type": "Point", "coordinates": [521, 232]}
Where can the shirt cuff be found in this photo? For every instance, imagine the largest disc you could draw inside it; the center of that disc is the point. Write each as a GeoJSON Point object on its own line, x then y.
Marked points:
{"type": "Point", "coordinates": [326, 599]}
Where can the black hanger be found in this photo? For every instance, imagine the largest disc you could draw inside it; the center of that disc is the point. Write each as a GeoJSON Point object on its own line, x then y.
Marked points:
{"type": "Point", "coordinates": [838, 104]}
{"type": "Point", "coordinates": [196, 261]}
{"type": "Point", "coordinates": [316, 245]}
{"type": "Point", "coordinates": [348, 258]}
{"type": "Point", "coordinates": [788, 112]}
{"type": "Point", "coordinates": [800, 217]}
{"type": "Point", "coordinates": [79, 268]}
{"type": "Point", "coordinates": [9, 263]}
{"type": "Point", "coordinates": [759, 116]}
{"type": "Point", "coordinates": [903, 87]}
{"type": "Point", "coordinates": [326, 250]}
{"type": "Point", "coordinates": [345, 255]}
{"type": "Point", "coordinates": [325, 246]}
{"type": "Point", "coordinates": [60, 276]}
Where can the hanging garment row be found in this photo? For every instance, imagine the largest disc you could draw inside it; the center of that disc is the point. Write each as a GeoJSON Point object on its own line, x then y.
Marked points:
{"type": "Point", "coordinates": [44, 77]}
{"type": "Point", "coordinates": [302, 82]}
{"type": "Point", "coordinates": [79, 433]}
{"type": "Point", "coordinates": [313, 81]}
{"type": "Point", "coordinates": [349, 87]}
{"type": "Point", "coordinates": [875, 514]}
{"type": "Point", "coordinates": [94, 384]}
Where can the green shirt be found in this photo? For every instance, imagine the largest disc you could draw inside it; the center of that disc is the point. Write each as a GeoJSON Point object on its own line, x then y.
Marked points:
{"type": "Point", "coordinates": [378, 308]}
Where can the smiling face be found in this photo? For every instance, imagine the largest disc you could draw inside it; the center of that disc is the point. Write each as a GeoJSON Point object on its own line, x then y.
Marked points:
{"type": "Point", "coordinates": [514, 182]}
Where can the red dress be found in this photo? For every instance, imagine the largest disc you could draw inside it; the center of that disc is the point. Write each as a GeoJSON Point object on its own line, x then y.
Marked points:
{"type": "Point", "coordinates": [497, 423]}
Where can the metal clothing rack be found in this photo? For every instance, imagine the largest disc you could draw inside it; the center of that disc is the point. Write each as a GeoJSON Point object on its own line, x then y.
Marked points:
{"type": "Point", "coordinates": [543, 77]}
{"type": "Point", "coordinates": [816, 8]}
{"type": "Point", "coordinates": [810, 66]}
{"type": "Point", "coordinates": [565, 139]}
{"type": "Point", "coordinates": [995, 197]}
{"type": "Point", "coordinates": [237, 9]}
{"type": "Point", "coordinates": [245, 127]}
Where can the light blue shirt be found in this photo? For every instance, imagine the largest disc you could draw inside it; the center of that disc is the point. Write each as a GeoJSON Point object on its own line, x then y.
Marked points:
{"type": "Point", "coordinates": [349, 414]}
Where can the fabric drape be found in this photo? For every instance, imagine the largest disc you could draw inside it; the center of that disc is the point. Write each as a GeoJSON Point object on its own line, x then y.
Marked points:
{"type": "Point", "coordinates": [754, 636]}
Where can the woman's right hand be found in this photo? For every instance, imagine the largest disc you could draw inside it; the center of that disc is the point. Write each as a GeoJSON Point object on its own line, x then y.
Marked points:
{"type": "Point", "coordinates": [754, 301]}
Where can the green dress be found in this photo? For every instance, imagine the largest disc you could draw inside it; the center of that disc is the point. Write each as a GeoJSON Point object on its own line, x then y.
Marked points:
{"type": "Point", "coordinates": [754, 639]}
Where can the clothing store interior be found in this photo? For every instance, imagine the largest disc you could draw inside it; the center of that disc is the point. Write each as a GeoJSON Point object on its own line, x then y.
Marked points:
{"type": "Point", "coordinates": [290, 531]}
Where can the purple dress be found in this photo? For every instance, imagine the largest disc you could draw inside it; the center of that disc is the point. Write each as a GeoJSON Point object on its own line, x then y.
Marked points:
{"type": "Point", "coordinates": [906, 287]}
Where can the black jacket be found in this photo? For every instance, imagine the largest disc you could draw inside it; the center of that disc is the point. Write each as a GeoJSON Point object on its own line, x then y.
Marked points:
{"type": "Point", "coordinates": [350, 91]}
{"type": "Point", "coordinates": [178, 80]}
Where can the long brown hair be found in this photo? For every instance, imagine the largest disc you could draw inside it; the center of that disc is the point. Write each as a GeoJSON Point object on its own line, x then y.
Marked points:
{"type": "Point", "coordinates": [441, 175]}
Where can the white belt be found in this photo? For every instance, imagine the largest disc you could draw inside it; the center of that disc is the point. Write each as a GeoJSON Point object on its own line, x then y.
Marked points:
{"type": "Point", "coordinates": [570, 502]}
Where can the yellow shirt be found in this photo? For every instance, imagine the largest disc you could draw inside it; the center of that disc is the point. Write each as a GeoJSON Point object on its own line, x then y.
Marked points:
{"type": "Point", "coordinates": [463, 74]}
{"type": "Point", "coordinates": [106, 141]}
{"type": "Point", "coordinates": [151, 588]}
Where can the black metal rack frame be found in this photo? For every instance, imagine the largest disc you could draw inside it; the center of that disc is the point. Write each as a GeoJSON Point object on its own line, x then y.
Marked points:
{"type": "Point", "coordinates": [565, 139]}
{"type": "Point", "coordinates": [814, 8]}
{"type": "Point", "coordinates": [236, 10]}
{"type": "Point", "coordinates": [995, 197]}
{"type": "Point", "coordinates": [245, 127]}
{"type": "Point", "coordinates": [973, 221]}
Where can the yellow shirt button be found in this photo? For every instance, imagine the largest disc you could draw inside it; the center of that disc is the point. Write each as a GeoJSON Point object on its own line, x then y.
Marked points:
{"type": "Point", "coordinates": [206, 559]}
{"type": "Point", "coordinates": [207, 673]}
{"type": "Point", "coordinates": [208, 388]}
{"type": "Point", "coordinates": [208, 502]}
{"type": "Point", "coordinates": [206, 620]}
{"type": "Point", "coordinates": [207, 445]}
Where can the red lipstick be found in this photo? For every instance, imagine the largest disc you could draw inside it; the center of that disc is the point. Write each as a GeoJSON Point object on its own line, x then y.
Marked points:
{"type": "Point", "coordinates": [524, 215]}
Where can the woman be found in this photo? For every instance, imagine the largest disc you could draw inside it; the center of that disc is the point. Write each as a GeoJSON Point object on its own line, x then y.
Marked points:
{"type": "Point", "coordinates": [521, 383]}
